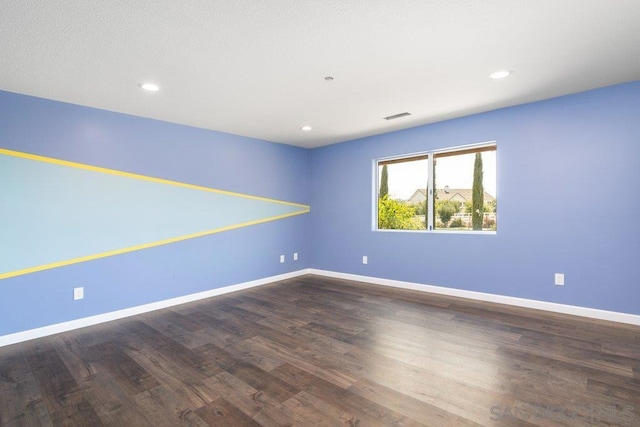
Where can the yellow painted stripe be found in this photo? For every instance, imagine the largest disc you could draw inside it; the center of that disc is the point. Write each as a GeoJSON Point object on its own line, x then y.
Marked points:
{"type": "Point", "coordinates": [141, 177]}
{"type": "Point", "coordinates": [145, 245]}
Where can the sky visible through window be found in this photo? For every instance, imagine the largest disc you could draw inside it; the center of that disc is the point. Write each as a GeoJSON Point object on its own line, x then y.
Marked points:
{"type": "Point", "coordinates": [456, 172]}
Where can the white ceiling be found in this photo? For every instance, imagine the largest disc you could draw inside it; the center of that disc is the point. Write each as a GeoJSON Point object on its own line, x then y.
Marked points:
{"type": "Point", "coordinates": [256, 67]}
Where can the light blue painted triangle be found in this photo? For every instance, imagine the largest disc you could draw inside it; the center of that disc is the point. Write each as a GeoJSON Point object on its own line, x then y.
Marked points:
{"type": "Point", "coordinates": [57, 212]}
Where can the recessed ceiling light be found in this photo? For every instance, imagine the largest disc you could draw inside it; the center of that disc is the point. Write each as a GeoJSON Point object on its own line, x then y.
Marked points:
{"type": "Point", "coordinates": [500, 74]}
{"type": "Point", "coordinates": [149, 87]}
{"type": "Point", "coordinates": [306, 128]}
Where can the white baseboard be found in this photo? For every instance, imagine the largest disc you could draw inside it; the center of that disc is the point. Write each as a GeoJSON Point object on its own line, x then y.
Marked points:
{"type": "Point", "coordinates": [114, 315]}
{"type": "Point", "coordinates": [593, 313]}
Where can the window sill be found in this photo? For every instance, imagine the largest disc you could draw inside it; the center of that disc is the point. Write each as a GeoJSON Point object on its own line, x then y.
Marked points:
{"type": "Point", "coordinates": [482, 233]}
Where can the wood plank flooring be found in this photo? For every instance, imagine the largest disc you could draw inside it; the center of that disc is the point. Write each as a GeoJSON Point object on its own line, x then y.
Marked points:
{"type": "Point", "coordinates": [316, 351]}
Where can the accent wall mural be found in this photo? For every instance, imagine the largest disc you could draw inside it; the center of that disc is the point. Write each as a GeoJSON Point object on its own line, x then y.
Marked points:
{"type": "Point", "coordinates": [55, 212]}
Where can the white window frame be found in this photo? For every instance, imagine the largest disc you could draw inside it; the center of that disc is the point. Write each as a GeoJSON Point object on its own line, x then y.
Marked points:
{"type": "Point", "coordinates": [431, 155]}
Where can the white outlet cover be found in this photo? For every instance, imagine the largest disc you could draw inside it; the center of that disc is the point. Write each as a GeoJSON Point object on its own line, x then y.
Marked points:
{"type": "Point", "coordinates": [559, 279]}
{"type": "Point", "coordinates": [295, 256]}
{"type": "Point", "coordinates": [78, 293]}
{"type": "Point", "coordinates": [281, 259]}
{"type": "Point", "coordinates": [365, 259]}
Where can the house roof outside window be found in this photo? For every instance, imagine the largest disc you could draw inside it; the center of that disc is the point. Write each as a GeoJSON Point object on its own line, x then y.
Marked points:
{"type": "Point", "coordinates": [455, 194]}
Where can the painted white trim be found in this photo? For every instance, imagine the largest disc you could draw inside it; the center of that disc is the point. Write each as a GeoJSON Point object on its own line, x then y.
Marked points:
{"type": "Point", "coordinates": [593, 313]}
{"type": "Point", "coordinates": [132, 311]}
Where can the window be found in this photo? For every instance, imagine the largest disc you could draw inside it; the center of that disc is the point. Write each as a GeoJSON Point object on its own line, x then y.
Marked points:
{"type": "Point", "coordinates": [452, 190]}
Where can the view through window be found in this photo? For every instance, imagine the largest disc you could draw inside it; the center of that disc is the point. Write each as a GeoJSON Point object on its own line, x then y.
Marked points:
{"type": "Point", "coordinates": [443, 190]}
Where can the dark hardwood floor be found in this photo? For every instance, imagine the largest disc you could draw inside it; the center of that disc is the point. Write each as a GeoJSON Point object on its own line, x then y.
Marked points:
{"type": "Point", "coordinates": [319, 351]}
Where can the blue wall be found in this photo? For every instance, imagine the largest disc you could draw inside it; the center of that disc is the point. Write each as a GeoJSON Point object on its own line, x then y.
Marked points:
{"type": "Point", "coordinates": [567, 174]}
{"type": "Point", "coordinates": [568, 170]}
{"type": "Point", "coordinates": [163, 150]}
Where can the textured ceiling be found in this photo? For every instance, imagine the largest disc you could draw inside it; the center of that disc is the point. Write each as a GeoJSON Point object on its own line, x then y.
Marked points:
{"type": "Point", "coordinates": [256, 68]}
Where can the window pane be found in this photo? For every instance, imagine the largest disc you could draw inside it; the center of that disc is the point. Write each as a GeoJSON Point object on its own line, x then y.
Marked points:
{"type": "Point", "coordinates": [465, 196]}
{"type": "Point", "coordinates": [402, 191]}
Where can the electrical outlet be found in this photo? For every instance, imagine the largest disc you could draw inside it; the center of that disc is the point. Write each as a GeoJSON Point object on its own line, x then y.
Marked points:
{"type": "Point", "coordinates": [295, 256]}
{"type": "Point", "coordinates": [559, 279]}
{"type": "Point", "coordinates": [78, 293]}
{"type": "Point", "coordinates": [281, 259]}
{"type": "Point", "coordinates": [365, 259]}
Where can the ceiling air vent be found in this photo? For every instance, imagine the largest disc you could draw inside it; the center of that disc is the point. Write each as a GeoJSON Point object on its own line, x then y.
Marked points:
{"type": "Point", "coordinates": [397, 116]}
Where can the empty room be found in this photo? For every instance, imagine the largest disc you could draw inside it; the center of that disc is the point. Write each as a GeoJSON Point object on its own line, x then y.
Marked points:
{"type": "Point", "coordinates": [363, 213]}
